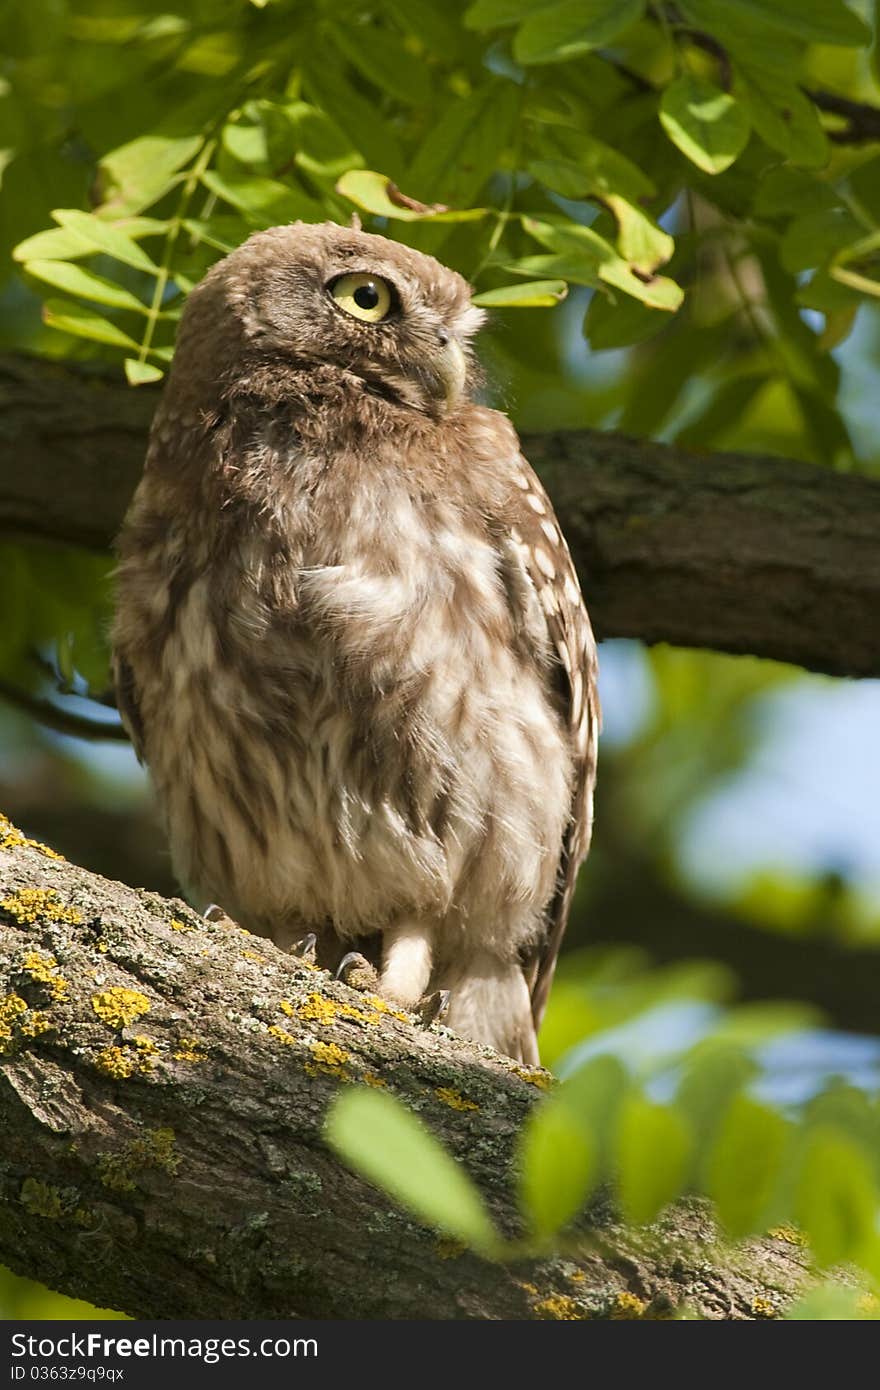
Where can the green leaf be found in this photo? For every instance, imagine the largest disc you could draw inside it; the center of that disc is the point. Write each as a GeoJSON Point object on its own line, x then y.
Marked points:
{"type": "Point", "coordinates": [384, 1142]}
{"type": "Point", "coordinates": [492, 14]}
{"type": "Point", "coordinates": [813, 239]}
{"type": "Point", "coordinates": [557, 1168]}
{"type": "Point", "coordinates": [377, 194]}
{"type": "Point", "coordinates": [591, 256]}
{"type": "Point", "coordinates": [266, 202]}
{"type": "Point", "coordinates": [566, 30]}
{"type": "Point", "coordinates": [743, 1167]}
{"type": "Point", "coordinates": [858, 266]}
{"type": "Point", "coordinates": [783, 117]}
{"type": "Point", "coordinates": [140, 172]}
{"type": "Point", "coordinates": [140, 373]}
{"type": "Point", "coordinates": [57, 244]}
{"type": "Point", "coordinates": [596, 170]}
{"type": "Point", "coordinates": [653, 1148]}
{"type": "Point", "coordinates": [618, 322]}
{"type": "Point", "coordinates": [83, 323]}
{"type": "Point", "coordinates": [817, 21]}
{"type": "Point", "coordinates": [223, 233]}
{"type": "Point", "coordinates": [834, 1303]}
{"type": "Point", "coordinates": [836, 1200]}
{"type": "Point", "coordinates": [465, 146]}
{"type": "Point", "coordinates": [383, 59]}
{"type": "Point", "coordinates": [75, 279]}
{"type": "Point", "coordinates": [532, 294]}
{"type": "Point", "coordinates": [708, 125]}
{"type": "Point", "coordinates": [103, 236]}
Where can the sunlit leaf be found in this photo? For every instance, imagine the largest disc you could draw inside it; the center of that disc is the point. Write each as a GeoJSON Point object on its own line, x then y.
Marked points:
{"type": "Point", "coordinates": [84, 323]}
{"type": "Point", "coordinates": [384, 1142]}
{"type": "Point", "coordinates": [708, 125]}
{"type": "Point", "coordinates": [103, 236]}
{"type": "Point", "coordinates": [743, 1167]}
{"type": "Point", "coordinates": [653, 1148]}
{"type": "Point", "coordinates": [377, 194]}
{"type": "Point", "coordinates": [837, 1200]}
{"type": "Point", "coordinates": [75, 279]}
{"type": "Point", "coordinates": [141, 373]}
{"type": "Point", "coordinates": [557, 1166]}
{"type": "Point", "coordinates": [531, 294]}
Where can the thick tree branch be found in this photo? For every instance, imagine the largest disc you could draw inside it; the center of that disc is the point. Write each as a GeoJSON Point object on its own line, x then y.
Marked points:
{"type": "Point", "coordinates": [162, 1090]}
{"type": "Point", "coordinates": [729, 551]}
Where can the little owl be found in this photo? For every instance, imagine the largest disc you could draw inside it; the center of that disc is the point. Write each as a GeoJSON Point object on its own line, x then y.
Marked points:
{"type": "Point", "coordinates": [350, 643]}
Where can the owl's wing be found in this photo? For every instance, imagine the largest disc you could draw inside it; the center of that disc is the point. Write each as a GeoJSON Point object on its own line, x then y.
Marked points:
{"type": "Point", "coordinates": [546, 593]}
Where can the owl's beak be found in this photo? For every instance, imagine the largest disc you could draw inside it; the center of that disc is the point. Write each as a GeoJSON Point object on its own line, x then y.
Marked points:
{"type": "Point", "coordinates": [449, 369]}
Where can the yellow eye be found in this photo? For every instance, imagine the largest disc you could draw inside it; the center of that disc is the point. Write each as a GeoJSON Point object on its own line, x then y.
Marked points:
{"type": "Point", "coordinates": [363, 296]}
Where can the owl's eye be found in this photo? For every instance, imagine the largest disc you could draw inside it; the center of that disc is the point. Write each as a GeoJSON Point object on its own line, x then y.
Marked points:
{"type": "Point", "coordinates": [363, 296]}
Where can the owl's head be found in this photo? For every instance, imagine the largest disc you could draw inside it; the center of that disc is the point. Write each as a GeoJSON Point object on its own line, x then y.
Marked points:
{"type": "Point", "coordinates": [313, 295]}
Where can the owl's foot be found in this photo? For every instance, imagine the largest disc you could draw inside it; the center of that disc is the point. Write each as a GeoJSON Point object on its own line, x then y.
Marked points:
{"type": "Point", "coordinates": [356, 971]}
{"type": "Point", "coordinates": [305, 949]}
{"type": "Point", "coordinates": [433, 1008]}
{"type": "Point", "coordinates": [214, 913]}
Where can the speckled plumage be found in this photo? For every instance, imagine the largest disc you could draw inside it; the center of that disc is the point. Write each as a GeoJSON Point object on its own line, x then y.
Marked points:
{"type": "Point", "coordinates": [349, 640]}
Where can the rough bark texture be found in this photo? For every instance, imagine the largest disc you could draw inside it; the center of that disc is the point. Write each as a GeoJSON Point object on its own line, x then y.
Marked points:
{"type": "Point", "coordinates": [163, 1086]}
{"type": "Point", "coordinates": [733, 552]}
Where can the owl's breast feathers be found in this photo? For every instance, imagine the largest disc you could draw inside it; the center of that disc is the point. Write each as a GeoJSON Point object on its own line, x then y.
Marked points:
{"type": "Point", "coordinates": [360, 670]}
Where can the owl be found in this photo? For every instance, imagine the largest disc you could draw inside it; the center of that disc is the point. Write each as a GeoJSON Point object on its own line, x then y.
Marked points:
{"type": "Point", "coordinates": [349, 641]}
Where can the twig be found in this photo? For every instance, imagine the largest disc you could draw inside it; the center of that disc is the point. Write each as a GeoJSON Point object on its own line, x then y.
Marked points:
{"type": "Point", "coordinates": [61, 720]}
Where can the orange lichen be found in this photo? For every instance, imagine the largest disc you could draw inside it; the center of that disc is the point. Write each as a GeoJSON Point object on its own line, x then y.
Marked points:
{"type": "Point", "coordinates": [534, 1076]}
{"type": "Point", "coordinates": [176, 925]}
{"type": "Point", "coordinates": [42, 971]}
{"type": "Point", "coordinates": [17, 1019]}
{"type": "Point", "coordinates": [560, 1307]}
{"type": "Point", "coordinates": [118, 1007]}
{"type": "Point", "coordinates": [329, 1060]}
{"type": "Point", "coordinates": [190, 1050]}
{"type": "Point", "coordinates": [31, 905]}
{"type": "Point", "coordinates": [627, 1306]}
{"type": "Point", "coordinates": [282, 1035]}
{"type": "Point", "coordinates": [454, 1099]}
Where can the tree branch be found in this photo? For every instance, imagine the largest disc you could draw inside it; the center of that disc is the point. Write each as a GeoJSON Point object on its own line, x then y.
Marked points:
{"type": "Point", "coordinates": [162, 1113]}
{"type": "Point", "coordinates": [735, 552]}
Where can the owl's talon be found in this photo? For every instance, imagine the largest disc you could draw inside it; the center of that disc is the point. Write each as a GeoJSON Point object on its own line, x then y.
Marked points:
{"type": "Point", "coordinates": [356, 971]}
{"type": "Point", "coordinates": [433, 1007]}
{"type": "Point", "coordinates": [305, 949]}
{"type": "Point", "coordinates": [214, 913]}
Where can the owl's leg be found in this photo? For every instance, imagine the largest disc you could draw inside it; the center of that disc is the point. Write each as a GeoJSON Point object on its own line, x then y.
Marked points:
{"type": "Point", "coordinates": [490, 1003]}
{"type": "Point", "coordinates": [407, 951]}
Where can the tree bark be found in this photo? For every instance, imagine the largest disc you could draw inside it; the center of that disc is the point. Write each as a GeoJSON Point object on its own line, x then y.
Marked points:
{"type": "Point", "coordinates": [734, 552]}
{"type": "Point", "coordinates": [163, 1087]}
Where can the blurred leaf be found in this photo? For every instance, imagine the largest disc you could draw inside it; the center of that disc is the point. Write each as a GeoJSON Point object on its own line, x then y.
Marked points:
{"type": "Point", "coordinates": [531, 294]}
{"type": "Point", "coordinates": [140, 373]}
{"type": "Point", "coordinates": [743, 1166]}
{"type": "Point", "coordinates": [556, 32]}
{"type": "Point", "coordinates": [384, 1142]}
{"type": "Point", "coordinates": [581, 250]}
{"type": "Point", "coordinates": [75, 279]}
{"type": "Point", "coordinates": [619, 322]}
{"type": "Point", "coordinates": [818, 21]}
{"type": "Point", "coordinates": [834, 1302]}
{"type": "Point", "coordinates": [556, 1167]}
{"type": "Point", "coordinates": [836, 1201]}
{"type": "Point", "coordinates": [377, 194]}
{"type": "Point", "coordinates": [653, 1148]}
{"type": "Point", "coordinates": [103, 236]}
{"type": "Point", "coordinates": [139, 172]}
{"type": "Point", "coordinates": [712, 1077]}
{"type": "Point", "coordinates": [708, 125]}
{"type": "Point", "coordinates": [782, 115]}
{"type": "Point", "coordinates": [267, 202]}
{"type": "Point", "coordinates": [73, 318]}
